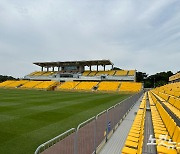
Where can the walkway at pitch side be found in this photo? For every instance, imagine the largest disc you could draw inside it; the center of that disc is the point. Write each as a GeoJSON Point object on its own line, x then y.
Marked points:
{"type": "Point", "coordinates": [116, 142]}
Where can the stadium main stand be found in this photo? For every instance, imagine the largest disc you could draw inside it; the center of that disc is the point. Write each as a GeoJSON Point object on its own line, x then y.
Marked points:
{"type": "Point", "coordinates": [71, 75]}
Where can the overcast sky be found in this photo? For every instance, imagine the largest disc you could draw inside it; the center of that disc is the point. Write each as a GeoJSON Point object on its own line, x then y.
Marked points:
{"type": "Point", "coordinates": [133, 34]}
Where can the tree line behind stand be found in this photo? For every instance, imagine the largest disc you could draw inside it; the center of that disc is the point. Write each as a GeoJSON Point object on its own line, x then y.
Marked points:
{"type": "Point", "coordinates": [5, 77]}
{"type": "Point", "coordinates": [156, 80]}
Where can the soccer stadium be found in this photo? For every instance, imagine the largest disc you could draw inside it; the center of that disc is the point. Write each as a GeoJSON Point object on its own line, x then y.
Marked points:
{"type": "Point", "coordinates": [89, 77]}
{"type": "Point", "coordinates": [68, 108]}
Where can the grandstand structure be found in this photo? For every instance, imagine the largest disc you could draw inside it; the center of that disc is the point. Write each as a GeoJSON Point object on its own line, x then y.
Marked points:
{"type": "Point", "coordinates": [73, 75]}
{"type": "Point", "coordinates": [75, 70]}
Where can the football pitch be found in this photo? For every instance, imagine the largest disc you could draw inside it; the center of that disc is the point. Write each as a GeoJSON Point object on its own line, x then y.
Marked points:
{"type": "Point", "coordinates": [29, 117]}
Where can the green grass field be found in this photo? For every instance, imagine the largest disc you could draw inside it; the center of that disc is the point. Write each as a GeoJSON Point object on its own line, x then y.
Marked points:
{"type": "Point", "coordinates": [29, 118]}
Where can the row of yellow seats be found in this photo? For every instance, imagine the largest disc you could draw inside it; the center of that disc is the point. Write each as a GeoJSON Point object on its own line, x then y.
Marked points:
{"type": "Point", "coordinates": [98, 73]}
{"type": "Point", "coordinates": [130, 86]}
{"type": "Point", "coordinates": [86, 85]}
{"type": "Point", "coordinates": [102, 86]}
{"type": "Point", "coordinates": [174, 77]}
{"type": "Point", "coordinates": [45, 85]}
{"type": "Point", "coordinates": [6, 83]}
{"type": "Point", "coordinates": [134, 141]}
{"type": "Point", "coordinates": [31, 84]}
{"type": "Point", "coordinates": [40, 73]}
{"type": "Point", "coordinates": [68, 85]}
{"type": "Point", "coordinates": [173, 103]}
{"type": "Point", "coordinates": [108, 86]}
{"type": "Point", "coordinates": [16, 83]}
{"type": "Point", "coordinates": [171, 89]}
{"type": "Point", "coordinates": [165, 129]}
{"type": "Point", "coordinates": [110, 72]}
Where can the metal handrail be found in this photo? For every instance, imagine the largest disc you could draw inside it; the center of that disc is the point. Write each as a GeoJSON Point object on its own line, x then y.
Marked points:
{"type": "Point", "coordinates": [52, 140]}
{"type": "Point", "coordinates": [101, 113]}
{"type": "Point", "coordinates": [87, 121]}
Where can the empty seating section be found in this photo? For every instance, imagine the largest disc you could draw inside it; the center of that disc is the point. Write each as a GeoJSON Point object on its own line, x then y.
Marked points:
{"type": "Point", "coordinates": [115, 86]}
{"type": "Point", "coordinates": [106, 73]}
{"type": "Point", "coordinates": [98, 73]}
{"type": "Point", "coordinates": [102, 73]}
{"type": "Point", "coordinates": [31, 84]}
{"type": "Point", "coordinates": [5, 83]}
{"type": "Point", "coordinates": [131, 72]}
{"type": "Point", "coordinates": [121, 72]}
{"type": "Point", "coordinates": [134, 141]}
{"type": "Point", "coordinates": [40, 73]}
{"type": "Point", "coordinates": [31, 74]}
{"type": "Point", "coordinates": [170, 101]}
{"type": "Point", "coordinates": [86, 73]}
{"type": "Point", "coordinates": [45, 85]}
{"type": "Point", "coordinates": [86, 85]}
{"type": "Point", "coordinates": [49, 73]}
{"type": "Point", "coordinates": [130, 86]}
{"type": "Point", "coordinates": [67, 85]}
{"type": "Point", "coordinates": [171, 89]}
{"type": "Point", "coordinates": [108, 86]}
{"type": "Point", "coordinates": [17, 83]}
{"type": "Point", "coordinates": [173, 104]}
{"type": "Point", "coordinates": [112, 72]}
{"type": "Point", "coordinates": [165, 129]}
